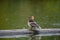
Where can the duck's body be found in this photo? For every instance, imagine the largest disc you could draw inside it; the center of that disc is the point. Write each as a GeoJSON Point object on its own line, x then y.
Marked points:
{"type": "Point", "coordinates": [32, 24]}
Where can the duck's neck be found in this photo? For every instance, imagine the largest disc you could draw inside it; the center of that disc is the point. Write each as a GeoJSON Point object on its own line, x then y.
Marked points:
{"type": "Point", "coordinates": [31, 20]}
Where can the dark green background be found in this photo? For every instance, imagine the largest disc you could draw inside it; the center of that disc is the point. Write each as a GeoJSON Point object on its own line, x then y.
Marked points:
{"type": "Point", "coordinates": [14, 15]}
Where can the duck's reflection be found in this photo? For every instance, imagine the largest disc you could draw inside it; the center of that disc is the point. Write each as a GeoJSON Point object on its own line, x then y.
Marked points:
{"type": "Point", "coordinates": [33, 37]}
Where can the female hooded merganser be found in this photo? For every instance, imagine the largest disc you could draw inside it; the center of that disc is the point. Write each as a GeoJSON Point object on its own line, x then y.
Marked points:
{"type": "Point", "coordinates": [32, 24]}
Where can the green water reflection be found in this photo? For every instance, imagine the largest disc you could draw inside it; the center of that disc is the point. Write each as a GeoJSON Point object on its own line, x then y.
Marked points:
{"type": "Point", "coordinates": [14, 14]}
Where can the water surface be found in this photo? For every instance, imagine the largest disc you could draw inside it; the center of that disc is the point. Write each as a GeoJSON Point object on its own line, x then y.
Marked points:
{"type": "Point", "coordinates": [14, 14]}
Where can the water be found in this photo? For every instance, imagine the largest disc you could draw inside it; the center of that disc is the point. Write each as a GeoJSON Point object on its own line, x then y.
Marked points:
{"type": "Point", "coordinates": [14, 14]}
{"type": "Point", "coordinates": [18, 33]}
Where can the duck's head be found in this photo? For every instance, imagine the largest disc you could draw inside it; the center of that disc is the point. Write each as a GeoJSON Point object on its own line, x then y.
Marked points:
{"type": "Point", "coordinates": [31, 18]}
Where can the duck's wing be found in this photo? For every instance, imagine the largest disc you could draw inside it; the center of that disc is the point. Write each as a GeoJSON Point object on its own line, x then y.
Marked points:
{"type": "Point", "coordinates": [34, 24]}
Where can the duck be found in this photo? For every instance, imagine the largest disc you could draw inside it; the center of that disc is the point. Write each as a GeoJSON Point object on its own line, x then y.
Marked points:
{"type": "Point", "coordinates": [32, 24]}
